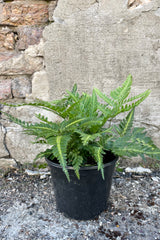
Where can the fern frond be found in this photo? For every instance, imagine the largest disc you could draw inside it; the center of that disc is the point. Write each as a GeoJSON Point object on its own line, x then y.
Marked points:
{"type": "Point", "coordinates": [121, 93]}
{"type": "Point", "coordinates": [135, 143]}
{"type": "Point", "coordinates": [90, 122]}
{"type": "Point", "coordinates": [94, 102]}
{"type": "Point", "coordinates": [16, 120]}
{"type": "Point", "coordinates": [126, 124]}
{"type": "Point", "coordinates": [41, 130]}
{"type": "Point", "coordinates": [55, 108]}
{"type": "Point", "coordinates": [73, 96]}
{"type": "Point", "coordinates": [73, 122]}
{"type": "Point", "coordinates": [43, 118]}
{"type": "Point", "coordinates": [59, 150]}
{"type": "Point", "coordinates": [86, 138]}
{"type": "Point", "coordinates": [47, 153]}
{"type": "Point", "coordinates": [139, 96]}
{"type": "Point", "coordinates": [98, 154]}
{"type": "Point", "coordinates": [96, 151]}
{"type": "Point", "coordinates": [76, 160]}
{"type": "Point", "coordinates": [109, 101]}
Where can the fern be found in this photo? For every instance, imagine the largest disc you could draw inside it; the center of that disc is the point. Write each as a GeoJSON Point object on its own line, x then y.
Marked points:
{"type": "Point", "coordinates": [126, 124]}
{"type": "Point", "coordinates": [135, 143]}
{"type": "Point", "coordinates": [122, 93]}
{"type": "Point", "coordinates": [85, 131]}
{"type": "Point", "coordinates": [97, 152]}
{"type": "Point", "coordinates": [59, 151]}
{"type": "Point", "coordinates": [86, 138]}
{"type": "Point", "coordinates": [76, 160]}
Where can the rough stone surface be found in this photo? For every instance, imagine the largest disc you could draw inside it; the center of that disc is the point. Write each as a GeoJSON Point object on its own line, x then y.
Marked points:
{"type": "Point", "coordinates": [5, 88]}
{"type": "Point", "coordinates": [28, 35]}
{"type": "Point", "coordinates": [4, 56]}
{"type": "Point", "coordinates": [26, 63]}
{"type": "Point", "coordinates": [7, 163]}
{"type": "Point", "coordinates": [3, 150]}
{"type": "Point", "coordinates": [23, 13]}
{"type": "Point", "coordinates": [7, 39]}
{"type": "Point", "coordinates": [99, 43]}
{"type": "Point", "coordinates": [20, 145]}
{"type": "Point", "coordinates": [51, 8]}
{"type": "Point", "coordinates": [15, 86]}
{"type": "Point", "coordinates": [136, 3]}
{"type": "Point", "coordinates": [40, 85]}
{"type": "Point", "coordinates": [21, 86]}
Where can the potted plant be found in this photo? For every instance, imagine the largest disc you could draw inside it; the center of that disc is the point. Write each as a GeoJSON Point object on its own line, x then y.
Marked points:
{"type": "Point", "coordinates": [87, 140]}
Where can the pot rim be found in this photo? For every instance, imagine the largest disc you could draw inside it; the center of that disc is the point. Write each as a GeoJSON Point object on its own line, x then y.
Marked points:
{"type": "Point", "coordinates": [50, 163]}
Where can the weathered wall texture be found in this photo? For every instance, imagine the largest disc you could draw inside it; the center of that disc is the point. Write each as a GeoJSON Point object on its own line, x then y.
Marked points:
{"type": "Point", "coordinates": [21, 70]}
{"type": "Point", "coordinates": [90, 42]}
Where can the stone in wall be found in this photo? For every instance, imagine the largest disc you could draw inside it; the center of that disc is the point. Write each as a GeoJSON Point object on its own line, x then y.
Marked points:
{"type": "Point", "coordinates": [4, 56]}
{"type": "Point", "coordinates": [15, 87]}
{"type": "Point", "coordinates": [7, 39]}
{"type": "Point", "coordinates": [28, 35]}
{"type": "Point", "coordinates": [25, 63]}
{"type": "Point", "coordinates": [20, 145]}
{"type": "Point", "coordinates": [5, 88]}
{"type": "Point", "coordinates": [3, 150]}
{"type": "Point", "coordinates": [23, 13]}
{"type": "Point", "coordinates": [40, 86]}
{"type": "Point", "coordinates": [21, 86]}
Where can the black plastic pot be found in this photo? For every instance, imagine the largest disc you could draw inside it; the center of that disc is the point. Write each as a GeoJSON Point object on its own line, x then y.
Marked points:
{"type": "Point", "coordinates": [82, 199]}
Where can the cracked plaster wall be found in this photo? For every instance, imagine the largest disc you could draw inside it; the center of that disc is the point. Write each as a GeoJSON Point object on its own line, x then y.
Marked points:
{"type": "Point", "coordinates": [92, 43]}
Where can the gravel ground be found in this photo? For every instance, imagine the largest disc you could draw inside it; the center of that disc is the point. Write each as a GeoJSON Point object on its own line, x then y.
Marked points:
{"type": "Point", "coordinates": [28, 211]}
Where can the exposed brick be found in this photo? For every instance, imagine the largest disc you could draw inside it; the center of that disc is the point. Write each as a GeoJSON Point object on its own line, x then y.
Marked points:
{"type": "Point", "coordinates": [28, 35]}
{"type": "Point", "coordinates": [5, 88]}
{"type": "Point", "coordinates": [21, 86]}
{"type": "Point", "coordinates": [23, 13]}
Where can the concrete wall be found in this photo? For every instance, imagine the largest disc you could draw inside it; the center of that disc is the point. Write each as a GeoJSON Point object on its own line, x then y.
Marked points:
{"type": "Point", "coordinates": [91, 43]}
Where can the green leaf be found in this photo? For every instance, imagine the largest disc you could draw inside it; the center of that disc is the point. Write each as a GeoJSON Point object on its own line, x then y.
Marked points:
{"type": "Point", "coordinates": [77, 161]}
{"type": "Point", "coordinates": [86, 138]}
{"type": "Point", "coordinates": [98, 154]}
{"type": "Point", "coordinates": [104, 97]}
{"type": "Point", "coordinates": [121, 93]}
{"type": "Point", "coordinates": [46, 154]}
{"type": "Point", "coordinates": [126, 124]}
{"type": "Point", "coordinates": [60, 151]}
{"type": "Point", "coordinates": [135, 143]}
